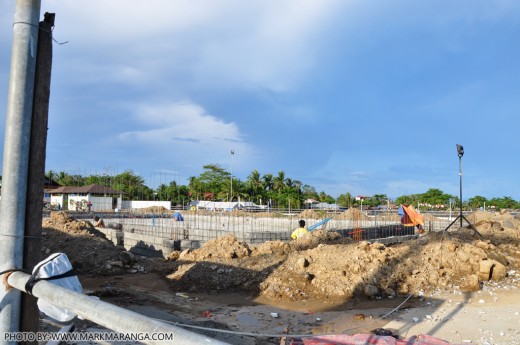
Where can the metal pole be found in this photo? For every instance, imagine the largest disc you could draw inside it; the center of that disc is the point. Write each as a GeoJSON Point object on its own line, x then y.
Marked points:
{"type": "Point", "coordinates": [16, 152]}
{"type": "Point", "coordinates": [231, 176]}
{"type": "Point", "coordinates": [460, 184]}
{"type": "Point", "coordinates": [107, 315]}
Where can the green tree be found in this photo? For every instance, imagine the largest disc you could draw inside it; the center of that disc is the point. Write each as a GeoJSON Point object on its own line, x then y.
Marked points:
{"type": "Point", "coordinates": [434, 196]}
{"type": "Point", "coordinates": [477, 201]}
{"type": "Point", "coordinates": [132, 185]}
{"type": "Point", "coordinates": [505, 202]}
{"type": "Point", "coordinates": [345, 200]}
{"type": "Point", "coordinates": [378, 199]}
{"type": "Point", "coordinates": [407, 200]}
{"type": "Point", "coordinates": [213, 178]}
{"type": "Point", "coordinates": [195, 188]}
{"type": "Point", "coordinates": [64, 179]}
{"type": "Point", "coordinates": [255, 186]}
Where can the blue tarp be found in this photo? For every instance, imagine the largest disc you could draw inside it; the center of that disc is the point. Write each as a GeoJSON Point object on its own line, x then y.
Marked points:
{"type": "Point", "coordinates": [178, 217]}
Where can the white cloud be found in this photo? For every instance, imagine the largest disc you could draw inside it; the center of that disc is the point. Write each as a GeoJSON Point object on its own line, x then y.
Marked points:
{"type": "Point", "coordinates": [184, 122]}
{"type": "Point", "coordinates": [216, 43]}
{"type": "Point", "coordinates": [185, 129]}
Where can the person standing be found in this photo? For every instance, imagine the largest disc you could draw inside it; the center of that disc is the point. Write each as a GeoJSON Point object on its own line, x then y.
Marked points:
{"type": "Point", "coordinates": [299, 232]}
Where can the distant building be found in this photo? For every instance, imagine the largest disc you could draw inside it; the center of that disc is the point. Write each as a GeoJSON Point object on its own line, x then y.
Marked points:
{"type": "Point", "coordinates": [224, 205]}
{"type": "Point", "coordinates": [74, 198]}
{"type": "Point", "coordinates": [327, 206]}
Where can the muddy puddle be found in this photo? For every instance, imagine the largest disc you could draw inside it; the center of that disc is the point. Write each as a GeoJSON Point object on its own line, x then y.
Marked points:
{"type": "Point", "coordinates": [151, 295]}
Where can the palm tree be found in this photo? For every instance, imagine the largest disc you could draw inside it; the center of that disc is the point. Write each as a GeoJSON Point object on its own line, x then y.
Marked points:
{"type": "Point", "coordinates": [279, 182]}
{"type": "Point", "coordinates": [51, 175]}
{"type": "Point", "coordinates": [254, 183]}
{"type": "Point", "coordinates": [267, 183]}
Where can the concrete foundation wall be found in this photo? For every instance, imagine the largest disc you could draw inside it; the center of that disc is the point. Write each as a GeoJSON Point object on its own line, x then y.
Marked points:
{"type": "Point", "coordinates": [159, 236]}
{"type": "Point", "coordinates": [113, 235]}
{"type": "Point", "coordinates": [147, 245]}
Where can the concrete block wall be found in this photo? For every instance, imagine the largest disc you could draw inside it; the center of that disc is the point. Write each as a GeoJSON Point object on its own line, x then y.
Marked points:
{"type": "Point", "coordinates": [115, 236]}
{"type": "Point", "coordinates": [148, 245]}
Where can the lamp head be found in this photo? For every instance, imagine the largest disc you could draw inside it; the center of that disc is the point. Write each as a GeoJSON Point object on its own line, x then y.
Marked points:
{"type": "Point", "coordinates": [460, 150]}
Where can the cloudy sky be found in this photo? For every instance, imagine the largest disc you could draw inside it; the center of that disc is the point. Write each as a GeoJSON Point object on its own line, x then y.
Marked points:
{"type": "Point", "coordinates": [358, 96]}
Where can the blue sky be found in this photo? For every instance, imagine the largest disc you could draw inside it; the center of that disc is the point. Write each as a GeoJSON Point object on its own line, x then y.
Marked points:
{"type": "Point", "coordinates": [366, 97]}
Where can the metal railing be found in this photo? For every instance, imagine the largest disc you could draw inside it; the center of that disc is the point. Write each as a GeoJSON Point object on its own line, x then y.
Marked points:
{"type": "Point", "coordinates": [107, 315]}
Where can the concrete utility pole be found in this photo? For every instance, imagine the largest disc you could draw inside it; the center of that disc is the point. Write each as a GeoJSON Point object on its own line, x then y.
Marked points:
{"type": "Point", "coordinates": [16, 153]}
{"type": "Point", "coordinates": [36, 172]}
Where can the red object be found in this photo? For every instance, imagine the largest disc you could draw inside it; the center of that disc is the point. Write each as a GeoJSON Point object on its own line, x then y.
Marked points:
{"type": "Point", "coordinates": [367, 339]}
{"type": "Point", "coordinates": [207, 313]}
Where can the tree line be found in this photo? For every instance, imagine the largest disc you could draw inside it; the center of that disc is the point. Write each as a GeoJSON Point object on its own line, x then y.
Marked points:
{"type": "Point", "coordinates": [278, 191]}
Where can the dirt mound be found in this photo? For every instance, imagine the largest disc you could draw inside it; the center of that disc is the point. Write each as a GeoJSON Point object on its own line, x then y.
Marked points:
{"type": "Point", "coordinates": [339, 272]}
{"type": "Point", "coordinates": [87, 248]}
{"type": "Point", "coordinates": [153, 209]}
{"type": "Point", "coordinates": [63, 222]}
{"type": "Point", "coordinates": [314, 238]}
{"type": "Point", "coordinates": [311, 214]}
{"type": "Point", "coordinates": [324, 266]}
{"type": "Point", "coordinates": [477, 216]}
{"type": "Point", "coordinates": [272, 247]}
{"type": "Point", "coordinates": [225, 247]}
{"type": "Point", "coordinates": [352, 214]}
{"type": "Point", "coordinates": [503, 228]}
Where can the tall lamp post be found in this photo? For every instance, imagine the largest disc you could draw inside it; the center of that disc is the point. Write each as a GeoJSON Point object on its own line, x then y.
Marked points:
{"type": "Point", "coordinates": [231, 177]}
{"type": "Point", "coordinates": [460, 152]}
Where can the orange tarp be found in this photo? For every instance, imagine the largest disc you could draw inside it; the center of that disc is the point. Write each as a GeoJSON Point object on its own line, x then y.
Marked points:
{"type": "Point", "coordinates": [411, 217]}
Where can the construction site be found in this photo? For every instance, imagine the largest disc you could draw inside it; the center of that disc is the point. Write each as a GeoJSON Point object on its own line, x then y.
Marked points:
{"type": "Point", "coordinates": [328, 282]}
{"type": "Point", "coordinates": [288, 277]}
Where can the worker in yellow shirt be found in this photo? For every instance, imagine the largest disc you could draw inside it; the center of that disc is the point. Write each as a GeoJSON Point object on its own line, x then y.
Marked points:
{"type": "Point", "coordinates": [300, 231]}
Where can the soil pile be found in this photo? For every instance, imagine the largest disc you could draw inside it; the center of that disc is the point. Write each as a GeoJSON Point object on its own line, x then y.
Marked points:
{"type": "Point", "coordinates": [153, 209]}
{"type": "Point", "coordinates": [352, 214]}
{"type": "Point", "coordinates": [502, 227]}
{"type": "Point", "coordinates": [222, 248]}
{"type": "Point", "coordinates": [324, 266]}
{"type": "Point", "coordinates": [61, 221]}
{"type": "Point", "coordinates": [477, 216]}
{"type": "Point", "coordinates": [311, 214]}
{"type": "Point", "coordinates": [86, 247]}
{"type": "Point", "coordinates": [436, 261]}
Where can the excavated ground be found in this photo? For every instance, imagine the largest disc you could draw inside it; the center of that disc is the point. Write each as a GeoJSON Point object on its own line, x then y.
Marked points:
{"type": "Point", "coordinates": [321, 268]}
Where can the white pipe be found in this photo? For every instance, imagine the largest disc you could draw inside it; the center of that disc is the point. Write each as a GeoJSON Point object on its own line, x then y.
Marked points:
{"type": "Point", "coordinates": [107, 315]}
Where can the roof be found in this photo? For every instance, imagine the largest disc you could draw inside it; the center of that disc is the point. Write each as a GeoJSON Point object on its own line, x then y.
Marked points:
{"type": "Point", "coordinates": [90, 189]}
{"type": "Point", "coordinates": [49, 183]}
